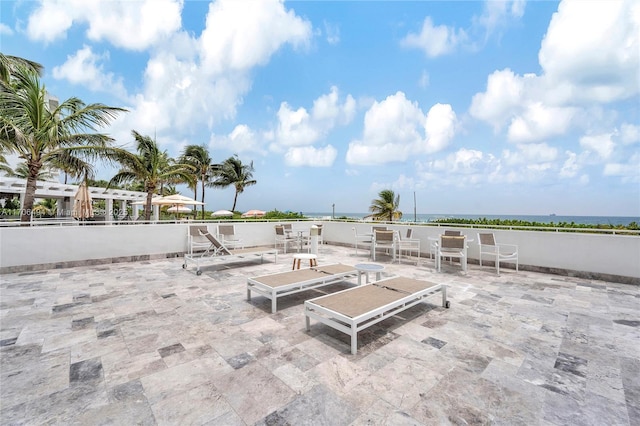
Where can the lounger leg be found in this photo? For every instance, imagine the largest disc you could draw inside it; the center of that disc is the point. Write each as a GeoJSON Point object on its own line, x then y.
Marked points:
{"type": "Point", "coordinates": [354, 341]}
{"type": "Point", "coordinates": [248, 293]}
{"type": "Point", "coordinates": [274, 305]}
{"type": "Point", "coordinates": [444, 296]}
{"type": "Point", "coordinates": [308, 322]}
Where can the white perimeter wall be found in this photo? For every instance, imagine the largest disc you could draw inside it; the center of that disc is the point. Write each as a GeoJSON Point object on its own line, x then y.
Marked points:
{"type": "Point", "coordinates": [23, 246]}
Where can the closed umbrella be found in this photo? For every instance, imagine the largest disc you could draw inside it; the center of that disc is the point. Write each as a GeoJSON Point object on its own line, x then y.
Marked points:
{"type": "Point", "coordinates": [82, 208]}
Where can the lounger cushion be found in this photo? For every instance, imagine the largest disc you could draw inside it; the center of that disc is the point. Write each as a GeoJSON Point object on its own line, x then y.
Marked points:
{"type": "Point", "coordinates": [359, 301]}
{"type": "Point", "coordinates": [287, 278]}
{"type": "Point", "coordinates": [406, 285]}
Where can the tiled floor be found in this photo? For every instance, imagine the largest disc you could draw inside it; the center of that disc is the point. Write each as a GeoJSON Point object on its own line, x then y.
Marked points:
{"type": "Point", "coordinates": [151, 343]}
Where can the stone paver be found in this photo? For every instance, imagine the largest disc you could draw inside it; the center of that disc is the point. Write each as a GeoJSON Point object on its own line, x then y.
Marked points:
{"type": "Point", "coordinates": [151, 343]}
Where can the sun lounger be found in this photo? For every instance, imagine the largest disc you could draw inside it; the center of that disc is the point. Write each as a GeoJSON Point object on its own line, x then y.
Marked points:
{"type": "Point", "coordinates": [355, 309]}
{"type": "Point", "coordinates": [217, 252]}
{"type": "Point", "coordinates": [281, 284]}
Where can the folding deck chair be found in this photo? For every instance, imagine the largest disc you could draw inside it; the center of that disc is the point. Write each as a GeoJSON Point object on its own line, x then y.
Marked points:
{"type": "Point", "coordinates": [355, 309]}
{"type": "Point", "coordinates": [281, 284]}
{"type": "Point", "coordinates": [217, 251]}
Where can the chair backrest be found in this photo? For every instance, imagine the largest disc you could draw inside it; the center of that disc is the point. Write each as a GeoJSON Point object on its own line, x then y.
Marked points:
{"type": "Point", "coordinates": [227, 230]}
{"type": "Point", "coordinates": [384, 236]}
{"type": "Point", "coordinates": [452, 233]}
{"type": "Point", "coordinates": [279, 230]}
{"type": "Point", "coordinates": [220, 248]}
{"type": "Point", "coordinates": [409, 233]}
{"type": "Point", "coordinates": [198, 230]}
{"type": "Point", "coordinates": [452, 241]}
{"type": "Point", "coordinates": [379, 228]}
{"type": "Point", "coordinates": [319, 230]}
{"type": "Point", "coordinates": [287, 227]}
{"type": "Point", "coordinates": [487, 239]}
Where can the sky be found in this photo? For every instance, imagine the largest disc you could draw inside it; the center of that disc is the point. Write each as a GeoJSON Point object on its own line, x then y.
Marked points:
{"type": "Point", "coordinates": [495, 107]}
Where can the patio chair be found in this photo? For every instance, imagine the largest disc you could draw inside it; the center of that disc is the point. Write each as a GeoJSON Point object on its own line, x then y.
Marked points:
{"type": "Point", "coordinates": [500, 252]}
{"type": "Point", "coordinates": [452, 246]}
{"type": "Point", "coordinates": [320, 237]}
{"type": "Point", "coordinates": [228, 237]}
{"type": "Point", "coordinates": [387, 240]}
{"type": "Point", "coordinates": [196, 240]}
{"type": "Point", "coordinates": [216, 251]}
{"type": "Point", "coordinates": [281, 284]}
{"type": "Point", "coordinates": [355, 309]}
{"type": "Point", "coordinates": [408, 244]}
{"type": "Point", "coordinates": [362, 239]}
{"type": "Point", "coordinates": [283, 239]}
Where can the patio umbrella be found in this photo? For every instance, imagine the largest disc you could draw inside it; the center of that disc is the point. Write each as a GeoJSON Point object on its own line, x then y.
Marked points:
{"type": "Point", "coordinates": [176, 200]}
{"type": "Point", "coordinates": [221, 213]}
{"type": "Point", "coordinates": [82, 208]}
{"type": "Point", "coordinates": [178, 209]}
{"type": "Point", "coordinates": [254, 213]}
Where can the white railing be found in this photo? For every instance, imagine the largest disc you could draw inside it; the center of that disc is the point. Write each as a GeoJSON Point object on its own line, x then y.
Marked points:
{"type": "Point", "coordinates": [23, 248]}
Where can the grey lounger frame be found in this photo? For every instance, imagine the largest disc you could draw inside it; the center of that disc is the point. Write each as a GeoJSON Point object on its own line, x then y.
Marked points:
{"type": "Point", "coordinates": [281, 284]}
{"type": "Point", "coordinates": [355, 309]}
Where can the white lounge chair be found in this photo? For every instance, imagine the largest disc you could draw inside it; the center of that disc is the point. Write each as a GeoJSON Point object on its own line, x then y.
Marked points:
{"type": "Point", "coordinates": [499, 252]}
{"type": "Point", "coordinates": [282, 284]}
{"type": "Point", "coordinates": [355, 309]}
{"type": "Point", "coordinates": [218, 252]}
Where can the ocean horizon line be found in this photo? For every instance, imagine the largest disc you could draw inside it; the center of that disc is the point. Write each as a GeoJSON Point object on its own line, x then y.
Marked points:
{"type": "Point", "coordinates": [430, 217]}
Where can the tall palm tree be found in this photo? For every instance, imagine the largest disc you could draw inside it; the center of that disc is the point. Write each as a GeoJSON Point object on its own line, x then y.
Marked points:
{"type": "Point", "coordinates": [150, 166]}
{"type": "Point", "coordinates": [22, 171]}
{"type": "Point", "coordinates": [386, 207]}
{"type": "Point", "coordinates": [198, 157]}
{"type": "Point", "coordinates": [233, 172]}
{"type": "Point", "coordinates": [43, 137]}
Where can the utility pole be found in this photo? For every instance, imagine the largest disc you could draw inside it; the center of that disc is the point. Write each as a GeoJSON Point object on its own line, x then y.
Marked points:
{"type": "Point", "coordinates": [333, 214]}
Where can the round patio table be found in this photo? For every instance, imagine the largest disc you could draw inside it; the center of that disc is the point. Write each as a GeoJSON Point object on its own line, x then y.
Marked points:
{"type": "Point", "coordinates": [365, 268]}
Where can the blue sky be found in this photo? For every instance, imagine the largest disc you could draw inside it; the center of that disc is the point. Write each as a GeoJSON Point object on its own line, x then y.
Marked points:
{"type": "Point", "coordinates": [498, 107]}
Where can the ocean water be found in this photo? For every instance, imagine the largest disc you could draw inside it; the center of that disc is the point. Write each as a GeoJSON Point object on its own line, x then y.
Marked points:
{"type": "Point", "coordinates": [578, 220]}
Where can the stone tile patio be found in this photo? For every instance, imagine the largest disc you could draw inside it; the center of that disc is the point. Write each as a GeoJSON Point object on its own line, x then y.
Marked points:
{"type": "Point", "coordinates": [151, 343]}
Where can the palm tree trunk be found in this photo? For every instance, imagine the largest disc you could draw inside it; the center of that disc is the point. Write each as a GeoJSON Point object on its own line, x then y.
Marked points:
{"type": "Point", "coordinates": [147, 207]}
{"type": "Point", "coordinates": [202, 199]}
{"type": "Point", "coordinates": [29, 197]}
{"type": "Point", "coordinates": [235, 199]}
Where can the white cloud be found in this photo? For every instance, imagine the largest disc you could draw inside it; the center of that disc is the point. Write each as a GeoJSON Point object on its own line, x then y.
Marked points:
{"type": "Point", "coordinates": [310, 156]}
{"type": "Point", "coordinates": [396, 128]}
{"type": "Point", "coordinates": [629, 172]}
{"type": "Point", "coordinates": [570, 168]}
{"type": "Point", "coordinates": [299, 127]}
{"type": "Point", "coordinates": [241, 139]}
{"type": "Point", "coordinates": [332, 32]}
{"type": "Point", "coordinates": [602, 38]}
{"type": "Point", "coordinates": [498, 13]}
{"type": "Point", "coordinates": [5, 29]}
{"type": "Point", "coordinates": [435, 40]}
{"type": "Point", "coordinates": [240, 35]}
{"type": "Point", "coordinates": [85, 68]}
{"type": "Point", "coordinates": [629, 133]}
{"type": "Point", "coordinates": [424, 80]}
{"type": "Point", "coordinates": [539, 121]}
{"type": "Point", "coordinates": [113, 21]}
{"type": "Point", "coordinates": [601, 144]}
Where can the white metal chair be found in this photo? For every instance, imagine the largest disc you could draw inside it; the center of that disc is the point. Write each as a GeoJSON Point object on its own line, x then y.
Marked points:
{"type": "Point", "coordinates": [196, 239]}
{"type": "Point", "coordinates": [283, 238]}
{"type": "Point", "coordinates": [500, 252]}
{"type": "Point", "coordinates": [362, 239]}
{"type": "Point", "coordinates": [387, 240]}
{"type": "Point", "coordinates": [452, 246]}
{"type": "Point", "coordinates": [227, 236]}
{"type": "Point", "coordinates": [409, 245]}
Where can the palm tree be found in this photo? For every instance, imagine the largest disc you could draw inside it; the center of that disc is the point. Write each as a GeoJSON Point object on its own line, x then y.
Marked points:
{"type": "Point", "coordinates": [9, 63]}
{"type": "Point", "coordinates": [233, 172]}
{"type": "Point", "coordinates": [42, 137]}
{"type": "Point", "coordinates": [386, 207]}
{"type": "Point", "coordinates": [22, 171]}
{"type": "Point", "coordinates": [150, 166]}
{"type": "Point", "coordinates": [198, 157]}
